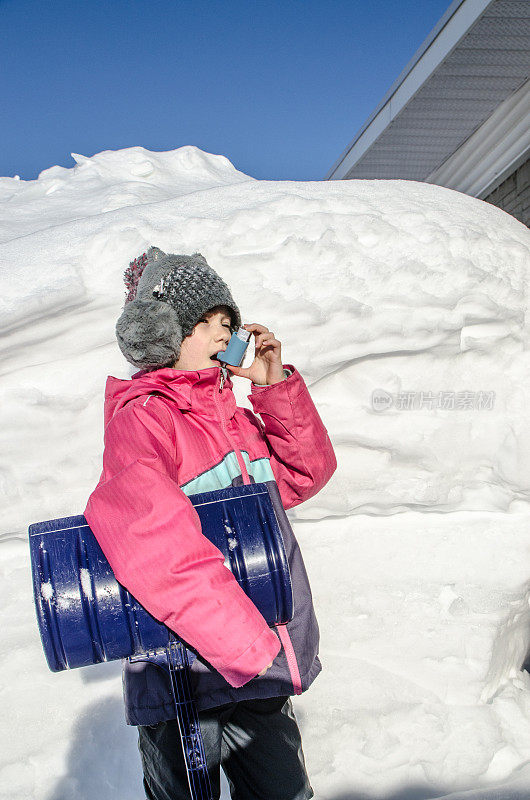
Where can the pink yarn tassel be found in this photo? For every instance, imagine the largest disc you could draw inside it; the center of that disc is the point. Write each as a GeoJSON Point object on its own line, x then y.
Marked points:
{"type": "Point", "coordinates": [132, 275]}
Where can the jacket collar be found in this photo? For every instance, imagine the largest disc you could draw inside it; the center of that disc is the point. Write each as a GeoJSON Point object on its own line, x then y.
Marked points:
{"type": "Point", "coordinates": [192, 390]}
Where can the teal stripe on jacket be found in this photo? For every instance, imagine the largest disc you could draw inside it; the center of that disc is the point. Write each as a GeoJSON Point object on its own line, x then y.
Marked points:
{"type": "Point", "coordinates": [222, 475]}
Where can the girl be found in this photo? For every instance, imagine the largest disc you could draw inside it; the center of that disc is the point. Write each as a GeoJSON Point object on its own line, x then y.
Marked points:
{"type": "Point", "coordinates": [174, 430]}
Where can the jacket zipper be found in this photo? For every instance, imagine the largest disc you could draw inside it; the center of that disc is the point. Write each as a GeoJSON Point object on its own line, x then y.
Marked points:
{"type": "Point", "coordinates": [281, 630]}
{"type": "Point", "coordinates": [240, 460]}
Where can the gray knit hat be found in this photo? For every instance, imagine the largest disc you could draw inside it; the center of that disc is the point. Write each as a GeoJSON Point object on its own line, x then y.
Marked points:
{"type": "Point", "coordinates": [167, 296]}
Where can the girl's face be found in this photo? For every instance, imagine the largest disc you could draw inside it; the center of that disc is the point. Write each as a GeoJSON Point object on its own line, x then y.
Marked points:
{"type": "Point", "coordinates": [211, 334]}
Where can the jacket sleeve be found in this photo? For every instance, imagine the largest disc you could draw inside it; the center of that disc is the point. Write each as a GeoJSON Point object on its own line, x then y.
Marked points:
{"type": "Point", "coordinates": [301, 454]}
{"type": "Point", "coordinates": [151, 536]}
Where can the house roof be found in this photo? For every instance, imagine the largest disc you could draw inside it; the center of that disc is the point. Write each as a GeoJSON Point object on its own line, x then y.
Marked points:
{"type": "Point", "coordinates": [475, 58]}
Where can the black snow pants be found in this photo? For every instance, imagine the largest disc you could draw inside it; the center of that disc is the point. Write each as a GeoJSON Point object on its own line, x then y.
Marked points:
{"type": "Point", "coordinates": [256, 742]}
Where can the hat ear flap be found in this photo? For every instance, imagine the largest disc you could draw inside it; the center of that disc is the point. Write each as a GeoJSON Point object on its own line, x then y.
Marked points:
{"type": "Point", "coordinates": [149, 334]}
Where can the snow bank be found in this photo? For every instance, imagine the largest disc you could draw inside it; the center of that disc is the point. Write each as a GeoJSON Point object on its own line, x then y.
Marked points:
{"type": "Point", "coordinates": [403, 305]}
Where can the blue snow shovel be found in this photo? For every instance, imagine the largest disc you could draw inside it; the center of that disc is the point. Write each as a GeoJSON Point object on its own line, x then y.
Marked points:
{"type": "Point", "coordinates": [85, 616]}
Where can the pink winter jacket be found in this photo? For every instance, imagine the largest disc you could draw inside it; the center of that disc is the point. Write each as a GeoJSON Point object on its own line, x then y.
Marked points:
{"type": "Point", "coordinates": [173, 433]}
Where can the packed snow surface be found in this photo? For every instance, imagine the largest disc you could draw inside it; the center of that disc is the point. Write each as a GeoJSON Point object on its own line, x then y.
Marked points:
{"type": "Point", "coordinates": [404, 307]}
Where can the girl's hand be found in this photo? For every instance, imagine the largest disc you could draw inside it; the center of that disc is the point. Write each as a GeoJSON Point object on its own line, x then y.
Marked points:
{"type": "Point", "coordinates": [267, 366]}
{"type": "Point", "coordinates": [264, 670]}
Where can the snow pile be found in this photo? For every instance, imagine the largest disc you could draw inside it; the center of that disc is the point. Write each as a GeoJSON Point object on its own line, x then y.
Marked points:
{"type": "Point", "coordinates": [106, 182]}
{"type": "Point", "coordinates": [403, 305]}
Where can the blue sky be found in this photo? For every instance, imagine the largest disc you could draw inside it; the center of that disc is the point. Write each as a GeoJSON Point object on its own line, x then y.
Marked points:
{"type": "Point", "coordinates": [279, 88]}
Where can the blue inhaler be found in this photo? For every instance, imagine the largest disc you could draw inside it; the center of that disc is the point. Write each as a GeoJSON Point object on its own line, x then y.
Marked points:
{"type": "Point", "coordinates": [237, 347]}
